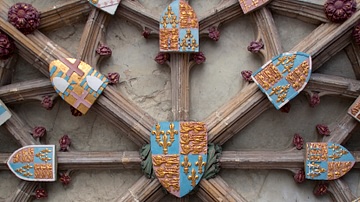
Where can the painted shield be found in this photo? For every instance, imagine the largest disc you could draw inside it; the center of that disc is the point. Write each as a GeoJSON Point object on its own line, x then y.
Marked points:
{"type": "Point", "coordinates": [179, 28]}
{"type": "Point", "coordinates": [327, 161]}
{"type": "Point", "coordinates": [5, 114]}
{"type": "Point", "coordinates": [108, 6]}
{"type": "Point", "coordinates": [354, 109]}
{"type": "Point", "coordinates": [250, 5]}
{"type": "Point", "coordinates": [77, 82]}
{"type": "Point", "coordinates": [34, 163]}
{"type": "Point", "coordinates": [283, 77]}
{"type": "Point", "coordinates": [179, 154]}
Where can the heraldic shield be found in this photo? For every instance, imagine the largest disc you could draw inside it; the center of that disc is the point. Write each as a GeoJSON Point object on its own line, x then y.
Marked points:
{"type": "Point", "coordinates": [327, 161]}
{"type": "Point", "coordinates": [354, 109]}
{"type": "Point", "coordinates": [179, 154]}
{"type": "Point", "coordinates": [77, 82]}
{"type": "Point", "coordinates": [250, 5]}
{"type": "Point", "coordinates": [284, 77]}
{"type": "Point", "coordinates": [179, 28]}
{"type": "Point", "coordinates": [34, 163]}
{"type": "Point", "coordinates": [108, 6]}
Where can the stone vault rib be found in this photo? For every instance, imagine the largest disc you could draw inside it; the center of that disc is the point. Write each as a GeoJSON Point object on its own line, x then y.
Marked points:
{"type": "Point", "coordinates": [287, 159]}
{"type": "Point", "coordinates": [3, 158]}
{"type": "Point", "coordinates": [26, 91]}
{"type": "Point", "coordinates": [333, 85]}
{"type": "Point", "coordinates": [340, 131]}
{"type": "Point", "coordinates": [327, 40]}
{"type": "Point", "coordinates": [237, 109]}
{"type": "Point", "coordinates": [19, 129]}
{"type": "Point", "coordinates": [313, 44]}
{"type": "Point", "coordinates": [144, 190]}
{"type": "Point", "coordinates": [65, 14]}
{"type": "Point", "coordinates": [98, 160]}
{"type": "Point", "coordinates": [216, 189]}
{"type": "Point", "coordinates": [41, 51]}
{"type": "Point", "coordinates": [24, 192]}
{"type": "Point", "coordinates": [93, 35]}
{"type": "Point", "coordinates": [225, 11]}
{"type": "Point", "coordinates": [352, 51]}
{"type": "Point", "coordinates": [180, 97]}
{"type": "Point", "coordinates": [308, 11]}
{"type": "Point", "coordinates": [135, 12]}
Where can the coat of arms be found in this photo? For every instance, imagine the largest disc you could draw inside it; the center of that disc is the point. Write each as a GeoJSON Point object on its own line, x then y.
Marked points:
{"type": "Point", "coordinates": [5, 114]}
{"type": "Point", "coordinates": [354, 109]}
{"type": "Point", "coordinates": [327, 161]}
{"type": "Point", "coordinates": [179, 154]}
{"type": "Point", "coordinates": [108, 6]}
{"type": "Point", "coordinates": [179, 28]}
{"type": "Point", "coordinates": [283, 77]}
{"type": "Point", "coordinates": [77, 82]}
{"type": "Point", "coordinates": [250, 5]}
{"type": "Point", "coordinates": [34, 163]}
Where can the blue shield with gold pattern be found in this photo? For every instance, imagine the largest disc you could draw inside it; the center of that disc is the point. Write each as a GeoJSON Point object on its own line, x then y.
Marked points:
{"type": "Point", "coordinates": [179, 155]}
{"type": "Point", "coordinates": [284, 77]}
{"type": "Point", "coordinates": [34, 163]}
{"type": "Point", "coordinates": [179, 28]}
{"type": "Point", "coordinates": [327, 161]}
{"type": "Point", "coordinates": [77, 82]}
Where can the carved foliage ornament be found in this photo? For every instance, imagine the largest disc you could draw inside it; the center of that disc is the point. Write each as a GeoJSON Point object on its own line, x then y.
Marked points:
{"type": "Point", "coordinates": [179, 155]}
{"type": "Point", "coordinates": [284, 77]}
{"type": "Point", "coordinates": [179, 28]}
{"type": "Point", "coordinates": [7, 46]}
{"type": "Point", "coordinates": [339, 10]}
{"type": "Point", "coordinates": [24, 17]}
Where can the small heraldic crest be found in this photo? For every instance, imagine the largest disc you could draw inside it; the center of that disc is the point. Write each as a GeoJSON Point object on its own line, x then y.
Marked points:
{"type": "Point", "coordinates": [327, 161]}
{"type": "Point", "coordinates": [179, 28]}
{"type": "Point", "coordinates": [77, 82]}
{"type": "Point", "coordinates": [34, 163]}
{"type": "Point", "coordinates": [284, 77]}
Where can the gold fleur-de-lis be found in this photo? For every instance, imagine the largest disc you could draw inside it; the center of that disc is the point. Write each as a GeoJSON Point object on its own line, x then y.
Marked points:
{"type": "Point", "coordinates": [186, 164]}
{"type": "Point", "coordinates": [200, 164]}
{"type": "Point", "coordinates": [193, 177]}
{"type": "Point", "coordinates": [165, 144]}
{"type": "Point", "coordinates": [172, 132]}
{"type": "Point", "coordinates": [157, 132]}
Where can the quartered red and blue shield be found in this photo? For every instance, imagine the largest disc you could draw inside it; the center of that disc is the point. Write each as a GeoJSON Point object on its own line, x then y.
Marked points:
{"type": "Point", "coordinates": [283, 77]}
{"type": "Point", "coordinates": [179, 154]}
{"type": "Point", "coordinates": [327, 161]}
{"type": "Point", "coordinates": [34, 163]}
